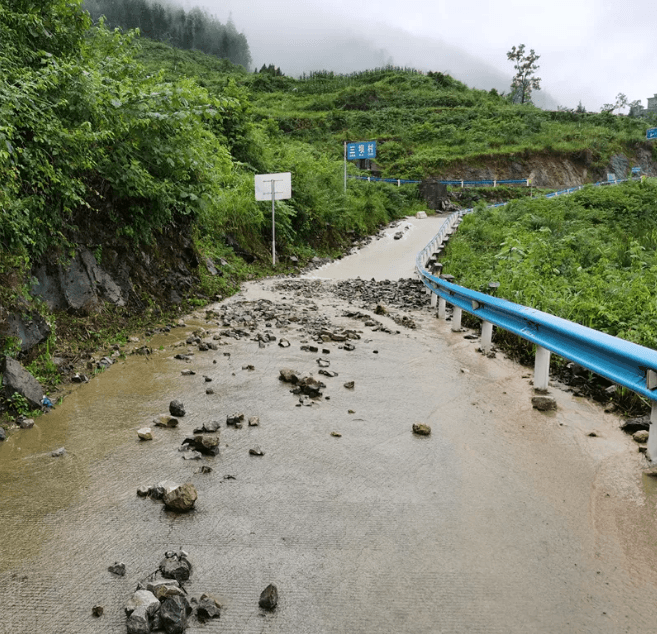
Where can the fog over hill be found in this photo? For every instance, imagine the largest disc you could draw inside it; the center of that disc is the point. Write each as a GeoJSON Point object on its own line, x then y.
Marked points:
{"type": "Point", "coordinates": [302, 38]}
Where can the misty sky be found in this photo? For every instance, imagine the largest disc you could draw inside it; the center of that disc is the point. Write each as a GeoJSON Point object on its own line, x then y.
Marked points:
{"type": "Point", "coordinates": [590, 49]}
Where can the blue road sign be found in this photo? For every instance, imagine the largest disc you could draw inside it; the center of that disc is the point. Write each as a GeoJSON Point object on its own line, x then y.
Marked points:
{"type": "Point", "coordinates": [636, 170]}
{"type": "Point", "coordinates": [651, 133]}
{"type": "Point", "coordinates": [361, 150]}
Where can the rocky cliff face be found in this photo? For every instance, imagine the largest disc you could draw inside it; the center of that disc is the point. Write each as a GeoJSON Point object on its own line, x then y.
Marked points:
{"type": "Point", "coordinates": [96, 272]}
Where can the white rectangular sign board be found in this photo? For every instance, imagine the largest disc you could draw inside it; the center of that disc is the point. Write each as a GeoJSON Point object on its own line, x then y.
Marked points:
{"type": "Point", "coordinates": [282, 186]}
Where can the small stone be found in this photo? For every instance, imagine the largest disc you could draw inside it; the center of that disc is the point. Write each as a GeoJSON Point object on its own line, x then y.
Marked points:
{"type": "Point", "coordinates": [26, 423]}
{"type": "Point", "coordinates": [256, 451]}
{"type": "Point", "coordinates": [208, 608]}
{"type": "Point", "coordinates": [421, 429]}
{"type": "Point", "coordinates": [350, 411]}
{"type": "Point", "coordinates": [269, 598]}
{"type": "Point", "coordinates": [3, 434]}
{"type": "Point", "coordinates": [235, 420]}
{"type": "Point", "coordinates": [209, 427]}
{"type": "Point", "coordinates": [641, 435]}
{"type": "Point", "coordinates": [176, 408]}
{"type": "Point", "coordinates": [208, 445]}
{"type": "Point", "coordinates": [145, 433]}
{"type": "Point", "coordinates": [97, 610]}
{"type": "Point", "coordinates": [181, 499]}
{"type": "Point", "coordinates": [203, 469]}
{"type": "Point", "coordinates": [323, 363]}
{"type": "Point", "coordinates": [349, 385]}
{"type": "Point", "coordinates": [544, 403]}
{"type": "Point", "coordinates": [164, 420]}
{"type": "Point", "coordinates": [143, 491]}
{"type": "Point", "coordinates": [249, 367]}
{"type": "Point", "coordinates": [284, 343]}
{"type": "Point", "coordinates": [192, 455]}
{"type": "Point", "coordinates": [117, 568]}
{"type": "Point", "coordinates": [174, 612]}
{"type": "Point", "coordinates": [289, 376]}
{"type": "Point", "coordinates": [163, 589]}
{"type": "Point", "coordinates": [336, 434]}
{"type": "Point", "coordinates": [209, 391]}
{"type": "Point", "coordinates": [175, 567]}
{"type": "Point", "coordinates": [58, 453]}
{"type": "Point", "coordinates": [254, 421]}
{"type": "Point", "coordinates": [188, 373]}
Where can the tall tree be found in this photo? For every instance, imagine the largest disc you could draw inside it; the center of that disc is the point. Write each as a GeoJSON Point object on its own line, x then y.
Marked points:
{"type": "Point", "coordinates": [525, 79]}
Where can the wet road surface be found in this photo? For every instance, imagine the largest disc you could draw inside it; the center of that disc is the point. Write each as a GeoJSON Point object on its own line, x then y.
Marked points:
{"type": "Point", "coordinates": [503, 520]}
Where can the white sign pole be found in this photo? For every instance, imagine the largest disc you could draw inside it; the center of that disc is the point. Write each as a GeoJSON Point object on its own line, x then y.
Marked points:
{"type": "Point", "coordinates": [273, 222]}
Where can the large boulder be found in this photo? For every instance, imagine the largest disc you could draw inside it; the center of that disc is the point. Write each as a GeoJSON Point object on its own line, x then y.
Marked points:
{"type": "Point", "coordinates": [181, 499]}
{"type": "Point", "coordinates": [17, 380]}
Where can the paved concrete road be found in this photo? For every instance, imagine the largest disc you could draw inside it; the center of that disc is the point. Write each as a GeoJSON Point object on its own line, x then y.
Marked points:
{"type": "Point", "coordinates": [503, 520]}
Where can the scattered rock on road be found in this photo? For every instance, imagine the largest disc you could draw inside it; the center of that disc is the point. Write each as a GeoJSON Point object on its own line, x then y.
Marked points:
{"type": "Point", "coordinates": [235, 420]}
{"type": "Point", "coordinates": [176, 566]}
{"type": "Point", "coordinates": [269, 597]}
{"type": "Point", "coordinates": [164, 420]}
{"type": "Point", "coordinates": [544, 403]}
{"type": "Point", "coordinates": [176, 408]}
{"type": "Point", "coordinates": [145, 433]}
{"type": "Point", "coordinates": [117, 568]}
{"type": "Point", "coordinates": [181, 499]}
{"type": "Point", "coordinates": [421, 429]}
{"type": "Point", "coordinates": [208, 445]}
{"type": "Point", "coordinates": [174, 612]}
{"type": "Point", "coordinates": [208, 608]}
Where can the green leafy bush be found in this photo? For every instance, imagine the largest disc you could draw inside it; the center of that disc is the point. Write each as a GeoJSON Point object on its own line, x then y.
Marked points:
{"type": "Point", "coordinates": [590, 257]}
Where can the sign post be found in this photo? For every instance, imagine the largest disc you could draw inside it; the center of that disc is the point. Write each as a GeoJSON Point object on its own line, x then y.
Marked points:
{"type": "Point", "coordinates": [273, 187]}
{"type": "Point", "coordinates": [355, 151]}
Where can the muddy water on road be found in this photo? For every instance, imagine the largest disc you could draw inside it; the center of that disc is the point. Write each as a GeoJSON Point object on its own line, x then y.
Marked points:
{"type": "Point", "coordinates": [503, 520]}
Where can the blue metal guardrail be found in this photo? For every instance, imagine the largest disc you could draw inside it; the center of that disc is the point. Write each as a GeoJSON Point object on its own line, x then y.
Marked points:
{"type": "Point", "coordinates": [523, 181]}
{"type": "Point", "coordinates": [403, 181]}
{"type": "Point", "coordinates": [620, 361]}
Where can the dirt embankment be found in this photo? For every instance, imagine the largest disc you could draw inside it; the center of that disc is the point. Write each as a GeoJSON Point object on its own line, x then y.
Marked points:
{"type": "Point", "coordinates": [547, 169]}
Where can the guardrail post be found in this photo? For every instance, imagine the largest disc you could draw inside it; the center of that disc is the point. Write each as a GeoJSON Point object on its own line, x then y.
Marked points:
{"type": "Point", "coordinates": [652, 438]}
{"type": "Point", "coordinates": [457, 313]}
{"type": "Point", "coordinates": [486, 336]}
{"type": "Point", "coordinates": [442, 308]}
{"type": "Point", "coordinates": [542, 369]}
{"type": "Point", "coordinates": [434, 300]}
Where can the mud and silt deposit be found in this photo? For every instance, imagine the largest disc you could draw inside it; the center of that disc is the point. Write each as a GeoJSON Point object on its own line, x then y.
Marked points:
{"type": "Point", "coordinates": [288, 481]}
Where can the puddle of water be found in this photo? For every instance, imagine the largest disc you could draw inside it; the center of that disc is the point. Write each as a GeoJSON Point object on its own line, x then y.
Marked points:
{"type": "Point", "coordinates": [90, 423]}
